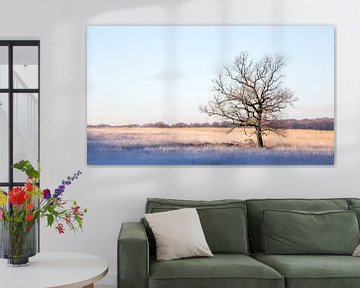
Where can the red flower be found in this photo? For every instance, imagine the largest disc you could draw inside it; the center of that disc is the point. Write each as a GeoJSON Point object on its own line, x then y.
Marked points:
{"type": "Point", "coordinates": [68, 219]}
{"type": "Point", "coordinates": [29, 206]}
{"type": "Point", "coordinates": [29, 217]}
{"type": "Point", "coordinates": [29, 186]}
{"type": "Point", "coordinates": [75, 209]}
{"type": "Point", "coordinates": [17, 196]}
{"type": "Point", "coordinates": [27, 196]}
{"type": "Point", "coordinates": [60, 228]}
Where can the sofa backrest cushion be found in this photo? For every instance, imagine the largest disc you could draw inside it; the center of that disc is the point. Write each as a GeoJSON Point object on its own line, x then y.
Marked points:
{"type": "Point", "coordinates": [255, 206]}
{"type": "Point", "coordinates": [353, 202]}
{"type": "Point", "coordinates": [223, 221]}
{"type": "Point", "coordinates": [298, 232]}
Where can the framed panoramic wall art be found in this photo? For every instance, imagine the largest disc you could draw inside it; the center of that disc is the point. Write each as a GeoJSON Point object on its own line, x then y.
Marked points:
{"type": "Point", "coordinates": [210, 95]}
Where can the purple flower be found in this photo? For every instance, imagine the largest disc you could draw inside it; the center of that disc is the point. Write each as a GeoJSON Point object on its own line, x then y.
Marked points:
{"type": "Point", "coordinates": [58, 192]}
{"type": "Point", "coordinates": [68, 181]}
{"type": "Point", "coordinates": [46, 194]}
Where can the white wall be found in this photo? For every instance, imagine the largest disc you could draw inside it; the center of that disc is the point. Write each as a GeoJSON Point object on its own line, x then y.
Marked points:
{"type": "Point", "coordinates": [117, 194]}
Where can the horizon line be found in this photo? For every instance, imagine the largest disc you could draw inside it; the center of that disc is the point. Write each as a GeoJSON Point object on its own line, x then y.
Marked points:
{"type": "Point", "coordinates": [192, 123]}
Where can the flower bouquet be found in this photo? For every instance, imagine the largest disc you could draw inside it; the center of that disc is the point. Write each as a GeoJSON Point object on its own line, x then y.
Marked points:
{"type": "Point", "coordinates": [21, 208]}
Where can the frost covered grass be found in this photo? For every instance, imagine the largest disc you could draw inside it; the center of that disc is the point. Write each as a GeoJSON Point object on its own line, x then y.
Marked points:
{"type": "Point", "coordinates": [206, 146]}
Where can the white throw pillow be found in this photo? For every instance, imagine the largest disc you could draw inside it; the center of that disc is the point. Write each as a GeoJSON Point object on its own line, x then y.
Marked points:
{"type": "Point", "coordinates": [357, 251]}
{"type": "Point", "coordinates": [178, 234]}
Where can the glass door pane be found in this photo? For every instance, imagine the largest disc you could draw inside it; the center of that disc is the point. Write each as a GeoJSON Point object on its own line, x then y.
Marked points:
{"type": "Point", "coordinates": [4, 67]}
{"type": "Point", "coordinates": [4, 137]}
{"type": "Point", "coordinates": [26, 130]}
{"type": "Point", "coordinates": [26, 73]}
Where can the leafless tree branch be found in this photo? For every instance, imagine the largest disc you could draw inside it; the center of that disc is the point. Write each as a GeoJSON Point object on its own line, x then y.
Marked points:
{"type": "Point", "coordinates": [251, 94]}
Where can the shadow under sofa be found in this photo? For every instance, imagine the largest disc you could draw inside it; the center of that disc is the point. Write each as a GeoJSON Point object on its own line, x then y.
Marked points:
{"type": "Point", "coordinates": [232, 229]}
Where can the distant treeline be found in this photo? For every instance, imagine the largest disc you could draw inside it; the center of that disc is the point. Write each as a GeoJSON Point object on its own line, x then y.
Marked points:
{"type": "Point", "coordinates": [313, 124]}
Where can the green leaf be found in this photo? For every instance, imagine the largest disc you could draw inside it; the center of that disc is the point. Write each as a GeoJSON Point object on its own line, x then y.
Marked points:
{"type": "Point", "coordinates": [79, 221]}
{"type": "Point", "coordinates": [50, 219]}
{"type": "Point", "coordinates": [53, 211]}
{"type": "Point", "coordinates": [28, 168]}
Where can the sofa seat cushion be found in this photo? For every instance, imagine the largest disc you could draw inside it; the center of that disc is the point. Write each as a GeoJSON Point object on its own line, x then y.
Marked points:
{"type": "Point", "coordinates": [313, 271]}
{"type": "Point", "coordinates": [222, 270]}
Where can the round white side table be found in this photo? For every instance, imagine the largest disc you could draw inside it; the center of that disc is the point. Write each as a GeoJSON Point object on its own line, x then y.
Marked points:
{"type": "Point", "coordinates": [50, 270]}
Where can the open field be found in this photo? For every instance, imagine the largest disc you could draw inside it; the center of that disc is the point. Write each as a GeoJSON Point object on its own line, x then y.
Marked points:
{"type": "Point", "coordinates": [206, 146]}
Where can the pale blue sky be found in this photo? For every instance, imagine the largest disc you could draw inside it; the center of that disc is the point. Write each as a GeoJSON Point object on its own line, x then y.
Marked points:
{"type": "Point", "coordinates": [142, 74]}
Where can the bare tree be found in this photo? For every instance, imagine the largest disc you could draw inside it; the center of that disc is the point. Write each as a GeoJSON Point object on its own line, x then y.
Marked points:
{"type": "Point", "coordinates": [251, 94]}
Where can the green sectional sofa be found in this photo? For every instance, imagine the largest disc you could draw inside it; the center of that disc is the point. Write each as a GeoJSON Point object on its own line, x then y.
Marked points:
{"type": "Point", "coordinates": [244, 238]}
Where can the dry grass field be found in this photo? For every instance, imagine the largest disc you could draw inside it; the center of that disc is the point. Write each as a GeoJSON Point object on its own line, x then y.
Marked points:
{"type": "Point", "coordinates": [207, 146]}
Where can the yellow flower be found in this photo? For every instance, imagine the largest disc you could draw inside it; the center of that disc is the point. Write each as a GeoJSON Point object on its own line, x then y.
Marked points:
{"type": "Point", "coordinates": [3, 198]}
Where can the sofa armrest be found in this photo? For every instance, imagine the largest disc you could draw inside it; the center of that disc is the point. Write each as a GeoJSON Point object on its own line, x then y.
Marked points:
{"type": "Point", "coordinates": [133, 256]}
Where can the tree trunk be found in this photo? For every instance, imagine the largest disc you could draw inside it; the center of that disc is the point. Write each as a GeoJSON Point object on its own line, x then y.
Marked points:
{"type": "Point", "coordinates": [259, 138]}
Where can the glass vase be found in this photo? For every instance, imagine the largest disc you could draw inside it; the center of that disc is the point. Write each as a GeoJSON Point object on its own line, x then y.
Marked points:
{"type": "Point", "coordinates": [18, 242]}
